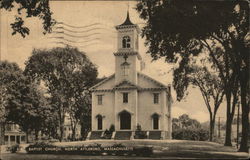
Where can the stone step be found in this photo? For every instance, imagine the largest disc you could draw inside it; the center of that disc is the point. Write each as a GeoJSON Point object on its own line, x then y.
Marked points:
{"type": "Point", "coordinates": [123, 135]}
{"type": "Point", "coordinates": [154, 135]}
{"type": "Point", "coordinates": [96, 135]}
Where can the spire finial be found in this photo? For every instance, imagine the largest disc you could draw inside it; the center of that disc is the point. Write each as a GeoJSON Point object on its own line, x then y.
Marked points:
{"type": "Point", "coordinates": [128, 6]}
{"type": "Point", "coordinates": [127, 21]}
{"type": "Point", "coordinates": [128, 10]}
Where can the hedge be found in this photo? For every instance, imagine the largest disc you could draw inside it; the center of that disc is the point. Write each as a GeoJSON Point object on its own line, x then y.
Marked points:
{"type": "Point", "coordinates": [191, 134]}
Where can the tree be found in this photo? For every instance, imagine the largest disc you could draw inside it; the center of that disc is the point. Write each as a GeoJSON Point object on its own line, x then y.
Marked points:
{"type": "Point", "coordinates": [67, 73]}
{"type": "Point", "coordinates": [228, 30]}
{"type": "Point", "coordinates": [188, 122]}
{"type": "Point", "coordinates": [27, 108]}
{"type": "Point", "coordinates": [9, 72]}
{"type": "Point", "coordinates": [23, 102]}
{"type": "Point", "coordinates": [175, 124]}
{"type": "Point", "coordinates": [187, 128]}
{"type": "Point", "coordinates": [184, 121]}
{"type": "Point", "coordinates": [2, 114]}
{"type": "Point", "coordinates": [210, 86]}
{"type": "Point", "coordinates": [85, 121]}
{"type": "Point", "coordinates": [32, 8]}
{"type": "Point", "coordinates": [50, 123]}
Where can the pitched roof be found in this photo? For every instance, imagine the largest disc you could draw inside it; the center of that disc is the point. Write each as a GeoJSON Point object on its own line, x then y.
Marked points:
{"type": "Point", "coordinates": [103, 81]}
{"type": "Point", "coordinates": [127, 21]}
{"type": "Point", "coordinates": [151, 79]}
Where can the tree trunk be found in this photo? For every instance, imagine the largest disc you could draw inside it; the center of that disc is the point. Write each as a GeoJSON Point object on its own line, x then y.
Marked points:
{"type": "Point", "coordinates": [2, 131]}
{"type": "Point", "coordinates": [85, 126]}
{"type": "Point", "coordinates": [73, 133]}
{"type": "Point", "coordinates": [36, 135]}
{"type": "Point", "coordinates": [61, 131]}
{"type": "Point", "coordinates": [27, 137]}
{"type": "Point", "coordinates": [211, 131]}
{"type": "Point", "coordinates": [245, 113]}
{"type": "Point", "coordinates": [229, 120]}
{"type": "Point", "coordinates": [61, 123]}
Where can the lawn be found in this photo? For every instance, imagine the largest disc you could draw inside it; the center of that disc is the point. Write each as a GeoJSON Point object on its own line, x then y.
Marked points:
{"type": "Point", "coordinates": [172, 149]}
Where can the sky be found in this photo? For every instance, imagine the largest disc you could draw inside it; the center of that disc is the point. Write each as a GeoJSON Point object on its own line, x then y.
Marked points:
{"type": "Point", "coordinates": [95, 22]}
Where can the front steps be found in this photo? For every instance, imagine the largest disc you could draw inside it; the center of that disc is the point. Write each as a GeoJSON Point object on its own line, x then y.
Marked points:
{"type": "Point", "coordinates": [95, 135]}
{"type": "Point", "coordinates": [154, 135]}
{"type": "Point", "coordinates": [125, 135]}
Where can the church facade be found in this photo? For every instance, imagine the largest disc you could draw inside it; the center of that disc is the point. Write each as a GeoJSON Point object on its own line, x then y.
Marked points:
{"type": "Point", "coordinates": [129, 98]}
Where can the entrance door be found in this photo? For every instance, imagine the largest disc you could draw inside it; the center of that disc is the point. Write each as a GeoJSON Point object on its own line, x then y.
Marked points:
{"type": "Point", "coordinates": [125, 120]}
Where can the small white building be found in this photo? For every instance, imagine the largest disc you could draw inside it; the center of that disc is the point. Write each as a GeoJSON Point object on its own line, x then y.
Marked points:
{"type": "Point", "coordinates": [129, 98]}
{"type": "Point", "coordinates": [13, 134]}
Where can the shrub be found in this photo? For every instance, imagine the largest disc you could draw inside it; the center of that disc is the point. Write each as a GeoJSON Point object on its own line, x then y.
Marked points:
{"type": "Point", "coordinates": [203, 134]}
{"type": "Point", "coordinates": [191, 134]}
{"type": "Point", "coordinates": [14, 148]}
{"type": "Point", "coordinates": [139, 134]}
{"type": "Point", "coordinates": [112, 128]}
{"type": "Point", "coordinates": [108, 133]}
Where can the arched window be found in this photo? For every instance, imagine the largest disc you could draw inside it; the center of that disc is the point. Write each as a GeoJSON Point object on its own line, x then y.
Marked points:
{"type": "Point", "coordinates": [126, 42]}
{"type": "Point", "coordinates": [99, 122]}
{"type": "Point", "coordinates": [155, 118]}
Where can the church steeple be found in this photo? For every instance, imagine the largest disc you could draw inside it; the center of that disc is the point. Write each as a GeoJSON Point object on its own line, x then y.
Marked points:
{"type": "Point", "coordinates": [127, 21]}
{"type": "Point", "coordinates": [127, 56]}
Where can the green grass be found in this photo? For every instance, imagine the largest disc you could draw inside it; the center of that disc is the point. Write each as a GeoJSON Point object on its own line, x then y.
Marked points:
{"type": "Point", "coordinates": [172, 149]}
{"type": "Point", "coordinates": [158, 144]}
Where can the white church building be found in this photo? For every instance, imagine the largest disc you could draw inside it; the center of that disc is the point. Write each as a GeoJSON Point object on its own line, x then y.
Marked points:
{"type": "Point", "coordinates": [128, 97]}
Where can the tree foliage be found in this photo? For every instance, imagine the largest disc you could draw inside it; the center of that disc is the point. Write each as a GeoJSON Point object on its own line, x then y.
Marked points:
{"type": "Point", "coordinates": [180, 30]}
{"type": "Point", "coordinates": [8, 73]}
{"type": "Point", "coordinates": [28, 9]}
{"type": "Point", "coordinates": [67, 74]}
{"type": "Point", "coordinates": [184, 121]}
{"type": "Point", "coordinates": [210, 86]}
{"type": "Point", "coordinates": [186, 128]}
{"type": "Point", "coordinates": [25, 104]}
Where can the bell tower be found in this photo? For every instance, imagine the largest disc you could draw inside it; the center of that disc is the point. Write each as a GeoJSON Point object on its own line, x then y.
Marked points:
{"type": "Point", "coordinates": [127, 57]}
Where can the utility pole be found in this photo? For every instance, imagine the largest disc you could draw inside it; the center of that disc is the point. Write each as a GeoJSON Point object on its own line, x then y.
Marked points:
{"type": "Point", "coordinates": [238, 122]}
{"type": "Point", "coordinates": [219, 126]}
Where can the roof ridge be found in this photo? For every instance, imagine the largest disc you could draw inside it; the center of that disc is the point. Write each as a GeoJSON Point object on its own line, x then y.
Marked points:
{"type": "Point", "coordinates": [103, 81]}
{"type": "Point", "coordinates": [152, 79]}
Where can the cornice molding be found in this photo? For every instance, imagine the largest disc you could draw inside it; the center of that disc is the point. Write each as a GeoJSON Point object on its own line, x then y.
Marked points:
{"type": "Point", "coordinates": [128, 27]}
{"type": "Point", "coordinates": [123, 53]}
{"type": "Point", "coordinates": [130, 88]}
{"type": "Point", "coordinates": [102, 90]}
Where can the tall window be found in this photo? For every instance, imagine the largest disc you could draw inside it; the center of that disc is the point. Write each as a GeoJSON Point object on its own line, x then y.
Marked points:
{"type": "Point", "coordinates": [125, 97]}
{"type": "Point", "coordinates": [156, 98]}
{"type": "Point", "coordinates": [155, 118]}
{"type": "Point", "coordinates": [99, 99]}
{"type": "Point", "coordinates": [126, 42]}
{"type": "Point", "coordinates": [99, 122]}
